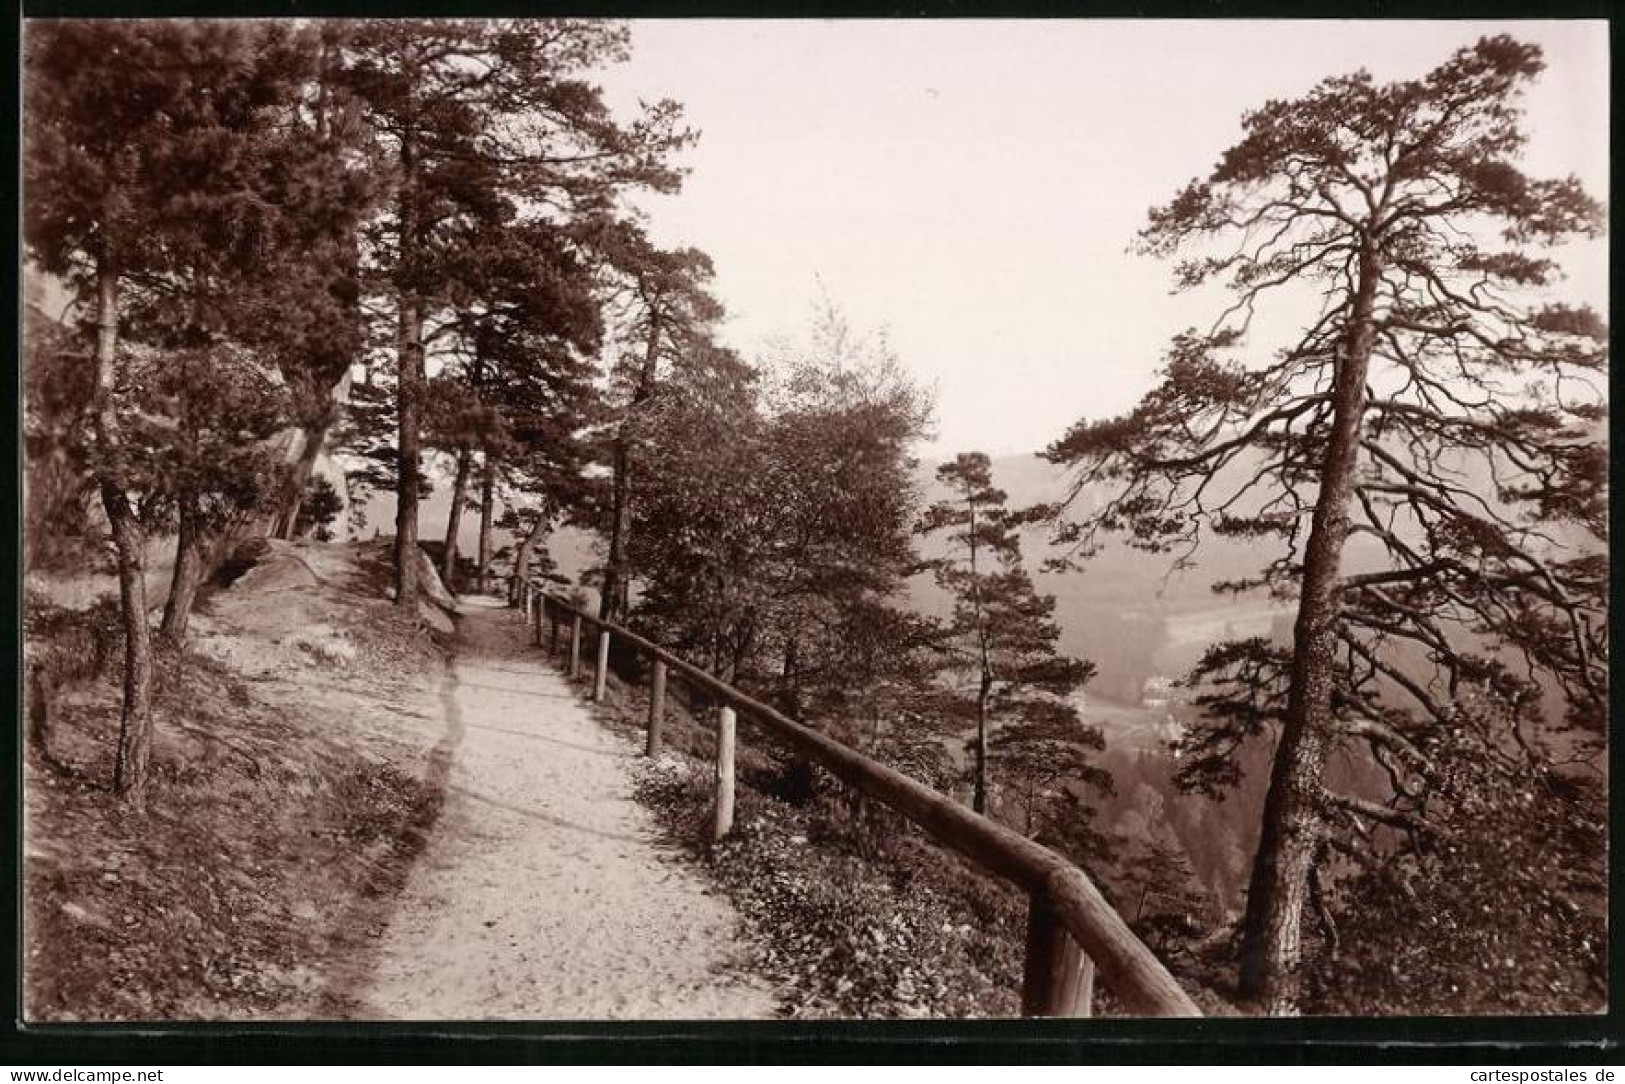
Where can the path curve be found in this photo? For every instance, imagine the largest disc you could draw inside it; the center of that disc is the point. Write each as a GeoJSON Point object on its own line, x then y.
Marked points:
{"type": "Point", "coordinates": [544, 893]}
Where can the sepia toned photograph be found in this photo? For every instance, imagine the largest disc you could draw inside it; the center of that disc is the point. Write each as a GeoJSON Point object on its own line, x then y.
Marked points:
{"type": "Point", "coordinates": [775, 520]}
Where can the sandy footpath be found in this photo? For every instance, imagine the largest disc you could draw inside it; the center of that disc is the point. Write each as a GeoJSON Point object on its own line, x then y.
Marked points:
{"type": "Point", "coordinates": [543, 893]}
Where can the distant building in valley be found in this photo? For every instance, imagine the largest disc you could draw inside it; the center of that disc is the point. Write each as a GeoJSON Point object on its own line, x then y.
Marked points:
{"type": "Point", "coordinates": [1158, 691]}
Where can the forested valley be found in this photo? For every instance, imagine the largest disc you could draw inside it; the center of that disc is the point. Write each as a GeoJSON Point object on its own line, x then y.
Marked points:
{"type": "Point", "coordinates": [1303, 660]}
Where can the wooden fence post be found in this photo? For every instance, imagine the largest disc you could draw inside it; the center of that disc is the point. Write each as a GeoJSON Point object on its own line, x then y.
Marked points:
{"type": "Point", "coordinates": [600, 678]}
{"type": "Point", "coordinates": [725, 774]}
{"type": "Point", "coordinates": [1059, 979]}
{"type": "Point", "coordinates": [657, 708]}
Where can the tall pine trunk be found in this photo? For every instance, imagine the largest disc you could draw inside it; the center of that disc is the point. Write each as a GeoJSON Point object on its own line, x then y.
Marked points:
{"type": "Point", "coordinates": [614, 602]}
{"type": "Point", "coordinates": [979, 782]}
{"type": "Point", "coordinates": [612, 605]}
{"type": "Point", "coordinates": [409, 370]}
{"type": "Point", "coordinates": [454, 518]}
{"type": "Point", "coordinates": [522, 559]}
{"type": "Point", "coordinates": [189, 566]}
{"type": "Point", "coordinates": [316, 431]}
{"type": "Point", "coordinates": [979, 793]}
{"type": "Point", "coordinates": [488, 486]}
{"type": "Point", "coordinates": [129, 543]}
{"type": "Point", "coordinates": [1279, 886]}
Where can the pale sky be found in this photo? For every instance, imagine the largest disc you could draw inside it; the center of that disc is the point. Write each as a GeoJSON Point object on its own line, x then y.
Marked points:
{"type": "Point", "coordinates": [973, 186]}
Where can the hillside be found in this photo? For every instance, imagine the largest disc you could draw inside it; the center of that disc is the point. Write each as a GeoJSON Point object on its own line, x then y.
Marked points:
{"type": "Point", "coordinates": [295, 774]}
{"type": "Point", "coordinates": [351, 819]}
{"type": "Point", "coordinates": [354, 819]}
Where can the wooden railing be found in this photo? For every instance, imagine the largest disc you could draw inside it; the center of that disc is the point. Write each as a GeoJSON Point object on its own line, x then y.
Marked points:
{"type": "Point", "coordinates": [1071, 930]}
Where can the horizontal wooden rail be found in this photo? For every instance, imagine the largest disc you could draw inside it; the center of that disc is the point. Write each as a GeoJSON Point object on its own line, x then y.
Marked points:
{"type": "Point", "coordinates": [1061, 893]}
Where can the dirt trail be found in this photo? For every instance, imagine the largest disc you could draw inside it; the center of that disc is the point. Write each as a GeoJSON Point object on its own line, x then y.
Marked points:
{"type": "Point", "coordinates": [543, 893]}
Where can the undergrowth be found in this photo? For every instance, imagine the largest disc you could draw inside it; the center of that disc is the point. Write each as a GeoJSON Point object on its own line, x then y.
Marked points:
{"type": "Point", "coordinates": [267, 842]}
{"type": "Point", "coordinates": [850, 911]}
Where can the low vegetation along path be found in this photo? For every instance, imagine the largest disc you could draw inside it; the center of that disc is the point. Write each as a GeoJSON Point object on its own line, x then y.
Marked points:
{"type": "Point", "coordinates": [543, 892]}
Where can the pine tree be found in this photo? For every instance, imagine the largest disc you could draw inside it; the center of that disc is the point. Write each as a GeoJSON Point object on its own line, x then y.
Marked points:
{"type": "Point", "coordinates": [668, 311]}
{"type": "Point", "coordinates": [1440, 409]}
{"type": "Point", "coordinates": [518, 356]}
{"type": "Point", "coordinates": [141, 162]}
{"type": "Point", "coordinates": [486, 124]}
{"type": "Point", "coordinates": [290, 311]}
{"type": "Point", "coordinates": [202, 422]}
{"type": "Point", "coordinates": [1001, 637]}
{"type": "Point", "coordinates": [57, 488]}
{"type": "Point", "coordinates": [309, 291]}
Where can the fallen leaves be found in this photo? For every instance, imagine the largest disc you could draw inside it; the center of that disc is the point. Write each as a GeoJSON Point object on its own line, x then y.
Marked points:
{"type": "Point", "coordinates": [842, 934]}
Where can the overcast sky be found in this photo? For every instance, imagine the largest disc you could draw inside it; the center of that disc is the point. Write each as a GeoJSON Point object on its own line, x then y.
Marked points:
{"type": "Point", "coordinates": [973, 186]}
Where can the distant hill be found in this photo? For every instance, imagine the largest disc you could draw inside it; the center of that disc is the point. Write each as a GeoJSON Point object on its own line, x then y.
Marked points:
{"type": "Point", "coordinates": [1126, 611]}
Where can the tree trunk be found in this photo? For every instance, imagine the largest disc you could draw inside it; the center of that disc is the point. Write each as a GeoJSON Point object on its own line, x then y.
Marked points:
{"type": "Point", "coordinates": [183, 584]}
{"type": "Point", "coordinates": [614, 602]}
{"type": "Point", "coordinates": [409, 368]}
{"type": "Point", "coordinates": [488, 486]}
{"type": "Point", "coordinates": [1279, 886]}
{"type": "Point", "coordinates": [979, 783]}
{"type": "Point", "coordinates": [454, 519]}
{"type": "Point", "coordinates": [135, 714]}
{"type": "Point", "coordinates": [790, 679]}
{"type": "Point", "coordinates": [743, 643]}
{"type": "Point", "coordinates": [315, 434]}
{"type": "Point", "coordinates": [522, 559]}
{"type": "Point", "coordinates": [610, 605]}
{"type": "Point", "coordinates": [800, 780]}
{"type": "Point", "coordinates": [979, 794]}
{"type": "Point", "coordinates": [39, 710]}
